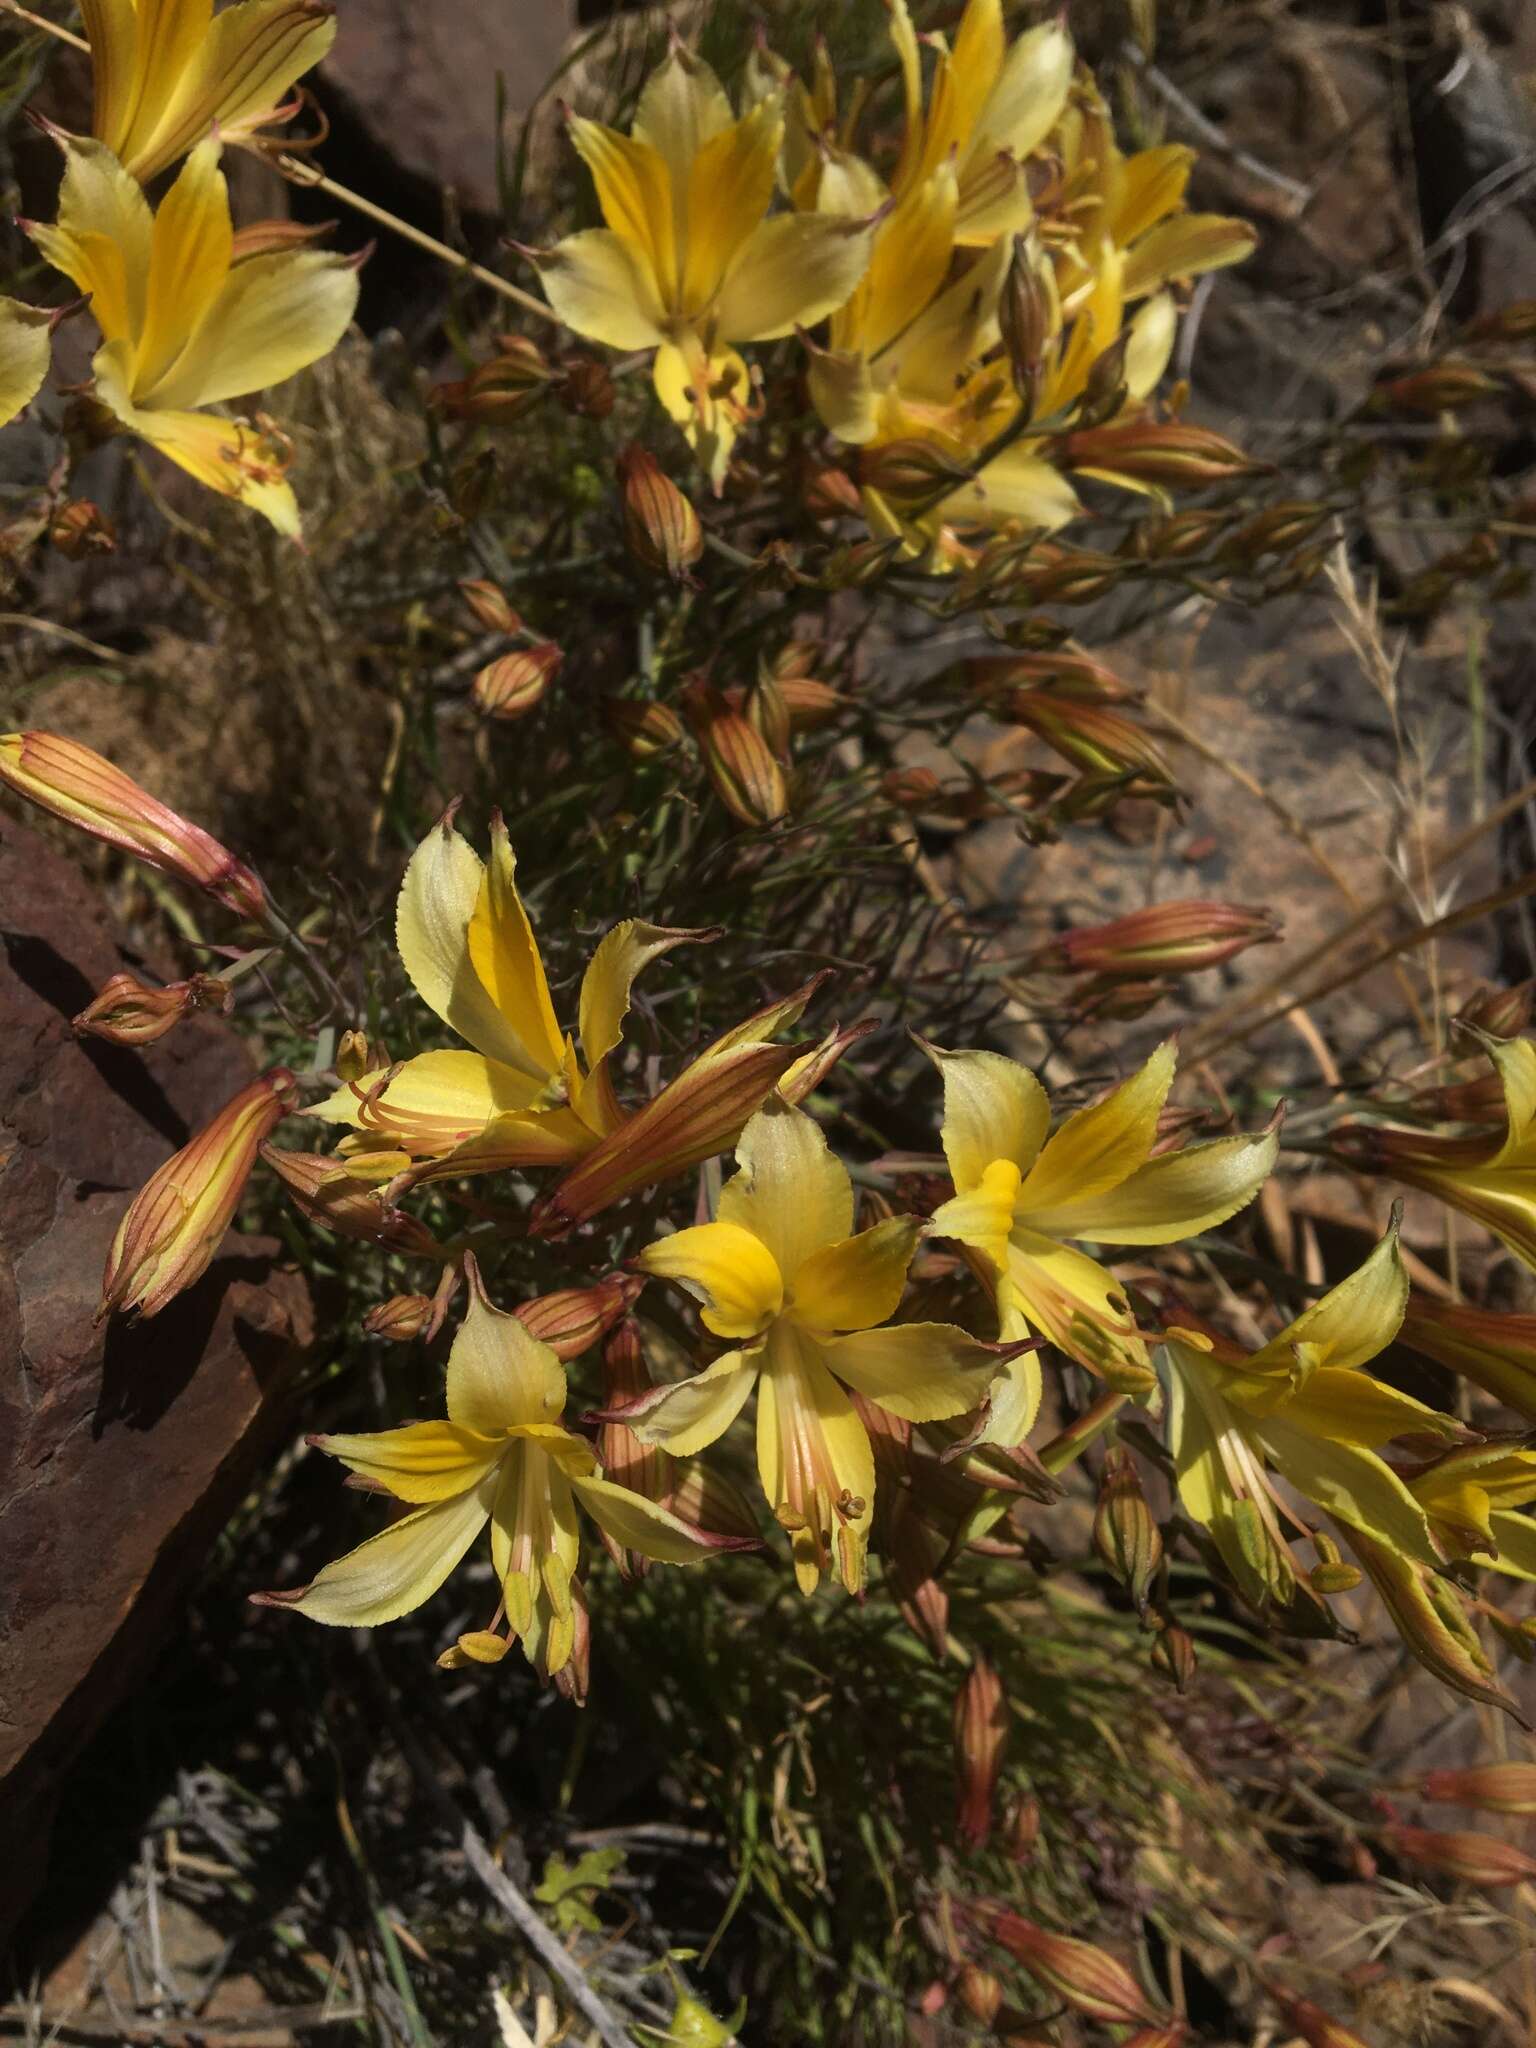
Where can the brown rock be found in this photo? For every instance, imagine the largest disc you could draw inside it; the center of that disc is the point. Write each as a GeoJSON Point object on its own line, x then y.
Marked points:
{"type": "Point", "coordinates": [123, 1449]}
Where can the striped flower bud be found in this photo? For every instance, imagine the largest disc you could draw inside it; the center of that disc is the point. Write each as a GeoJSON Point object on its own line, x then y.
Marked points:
{"type": "Point", "coordinates": [1315, 2026]}
{"type": "Point", "coordinates": [1173, 1654]}
{"type": "Point", "coordinates": [74, 783]}
{"type": "Point", "coordinates": [572, 1319]}
{"type": "Point", "coordinates": [737, 759]}
{"type": "Point", "coordinates": [488, 606]}
{"type": "Point", "coordinates": [512, 685]}
{"type": "Point", "coordinates": [981, 1734]}
{"type": "Point", "coordinates": [1441, 388]}
{"type": "Point", "coordinates": [1493, 1788]}
{"type": "Point", "coordinates": [1461, 1853]}
{"type": "Point", "coordinates": [1166, 938]}
{"type": "Point", "coordinates": [401, 1319]}
{"type": "Point", "coordinates": [661, 528]}
{"type": "Point", "coordinates": [646, 729]}
{"type": "Point", "coordinates": [499, 391]}
{"type": "Point", "coordinates": [1501, 1012]}
{"type": "Point", "coordinates": [1153, 453]}
{"type": "Point", "coordinates": [1124, 1533]}
{"type": "Point", "coordinates": [1076, 1972]}
{"type": "Point", "coordinates": [174, 1224]}
{"type": "Point", "coordinates": [321, 1188]}
{"type": "Point", "coordinates": [1173, 2035]}
{"type": "Point", "coordinates": [126, 1011]}
{"type": "Point", "coordinates": [1028, 314]}
{"type": "Point", "coordinates": [80, 529]}
{"type": "Point", "coordinates": [1065, 671]}
{"type": "Point", "coordinates": [1496, 1352]}
{"type": "Point", "coordinates": [1093, 738]}
{"type": "Point", "coordinates": [979, 1992]}
{"type": "Point", "coordinates": [643, 1468]}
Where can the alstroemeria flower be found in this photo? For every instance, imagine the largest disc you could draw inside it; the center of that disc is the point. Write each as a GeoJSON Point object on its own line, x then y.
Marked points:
{"type": "Point", "coordinates": [1476, 1497]}
{"type": "Point", "coordinates": [781, 1271]}
{"type": "Point", "coordinates": [1020, 1195]}
{"type": "Point", "coordinates": [689, 262]}
{"type": "Point", "coordinates": [504, 1457]}
{"type": "Point", "coordinates": [186, 321]}
{"type": "Point", "coordinates": [1492, 1182]}
{"type": "Point", "coordinates": [167, 73]}
{"type": "Point", "coordinates": [24, 355]}
{"type": "Point", "coordinates": [1302, 1406]}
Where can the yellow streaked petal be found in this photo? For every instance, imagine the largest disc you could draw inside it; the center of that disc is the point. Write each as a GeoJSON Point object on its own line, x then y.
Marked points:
{"type": "Point", "coordinates": [1516, 1537]}
{"type": "Point", "coordinates": [1186, 246]}
{"type": "Point", "coordinates": [499, 1376]}
{"type": "Point", "coordinates": [911, 254]}
{"type": "Point", "coordinates": [730, 185]}
{"type": "Point", "coordinates": [1099, 1147]}
{"type": "Point", "coordinates": [983, 1216]}
{"type": "Point", "coordinates": [111, 29]}
{"type": "Point", "coordinates": [244, 61]}
{"type": "Point", "coordinates": [1172, 1196]}
{"type": "Point", "coordinates": [596, 286]}
{"type": "Point", "coordinates": [1351, 1407]}
{"type": "Point", "coordinates": [24, 355]}
{"type": "Point", "coordinates": [634, 191]}
{"type": "Point", "coordinates": [857, 1283]}
{"type": "Point", "coordinates": [1354, 1484]}
{"type": "Point", "coordinates": [507, 961]}
{"type": "Point", "coordinates": [1515, 1060]}
{"type": "Point", "coordinates": [396, 1570]}
{"type": "Point", "coordinates": [1152, 185]}
{"type": "Point", "coordinates": [1030, 93]}
{"type": "Point", "coordinates": [993, 1109]}
{"type": "Point", "coordinates": [709, 397]}
{"type": "Point", "coordinates": [725, 1266]}
{"type": "Point", "coordinates": [101, 239]}
{"type": "Point", "coordinates": [622, 955]}
{"type": "Point", "coordinates": [958, 327]}
{"type": "Point", "coordinates": [419, 1462]}
{"type": "Point", "coordinates": [638, 1524]}
{"type": "Point", "coordinates": [994, 201]}
{"type": "Point", "coordinates": [815, 1461]}
{"type": "Point", "coordinates": [908, 56]}
{"type": "Point", "coordinates": [791, 272]}
{"type": "Point", "coordinates": [691, 1414]}
{"type": "Point", "coordinates": [1153, 332]}
{"type": "Point", "coordinates": [682, 107]}
{"type": "Point", "coordinates": [1071, 1300]}
{"type": "Point", "coordinates": [191, 244]}
{"type": "Point", "coordinates": [276, 315]}
{"type": "Point", "coordinates": [792, 1192]}
{"type": "Point", "coordinates": [1353, 1321]}
{"type": "Point", "coordinates": [1016, 488]}
{"type": "Point", "coordinates": [923, 1372]}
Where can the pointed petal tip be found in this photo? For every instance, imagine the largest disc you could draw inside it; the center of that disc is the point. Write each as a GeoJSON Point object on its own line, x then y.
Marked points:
{"type": "Point", "coordinates": [279, 1599]}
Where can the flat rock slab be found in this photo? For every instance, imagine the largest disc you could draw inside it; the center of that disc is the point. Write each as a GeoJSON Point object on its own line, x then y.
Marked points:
{"type": "Point", "coordinates": [122, 1449]}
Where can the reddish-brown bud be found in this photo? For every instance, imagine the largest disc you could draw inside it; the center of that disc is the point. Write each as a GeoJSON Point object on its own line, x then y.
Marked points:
{"type": "Point", "coordinates": [1165, 938]}
{"type": "Point", "coordinates": [1118, 1002]}
{"type": "Point", "coordinates": [1315, 2026]}
{"type": "Point", "coordinates": [661, 528]}
{"type": "Point", "coordinates": [1124, 1533]}
{"type": "Point", "coordinates": [738, 760]}
{"type": "Point", "coordinates": [1493, 1788]}
{"type": "Point", "coordinates": [1068, 673]}
{"type": "Point", "coordinates": [1173, 1654]}
{"type": "Point", "coordinates": [1276, 531]}
{"type": "Point", "coordinates": [1460, 1853]}
{"type": "Point", "coordinates": [80, 529]}
{"type": "Point", "coordinates": [499, 391]}
{"type": "Point", "coordinates": [641, 1467]}
{"type": "Point", "coordinates": [1496, 1352]}
{"type": "Point", "coordinates": [1028, 313]}
{"type": "Point", "coordinates": [646, 729]}
{"type": "Point", "coordinates": [1021, 1830]}
{"type": "Point", "coordinates": [571, 1320]}
{"type": "Point", "coordinates": [979, 1992]}
{"type": "Point", "coordinates": [1441, 388]}
{"type": "Point", "coordinates": [981, 1734]}
{"type": "Point", "coordinates": [586, 390]}
{"type": "Point", "coordinates": [489, 606]}
{"type": "Point", "coordinates": [321, 1188]}
{"type": "Point", "coordinates": [79, 786]}
{"type": "Point", "coordinates": [830, 494]}
{"type": "Point", "coordinates": [1501, 1012]}
{"type": "Point", "coordinates": [1096, 740]}
{"type": "Point", "coordinates": [1083, 1976]}
{"type": "Point", "coordinates": [768, 714]}
{"type": "Point", "coordinates": [401, 1319]}
{"type": "Point", "coordinates": [512, 685]}
{"type": "Point", "coordinates": [1168, 453]}
{"type": "Point", "coordinates": [911, 789]}
{"type": "Point", "coordinates": [126, 1011]}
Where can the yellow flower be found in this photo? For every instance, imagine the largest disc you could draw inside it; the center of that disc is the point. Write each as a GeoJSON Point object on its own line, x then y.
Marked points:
{"type": "Point", "coordinates": [780, 1270]}
{"type": "Point", "coordinates": [167, 73]}
{"type": "Point", "coordinates": [187, 321]}
{"type": "Point", "coordinates": [519, 1094]}
{"type": "Point", "coordinates": [1020, 1195]}
{"type": "Point", "coordinates": [1492, 1182]}
{"type": "Point", "coordinates": [989, 107]}
{"type": "Point", "coordinates": [689, 262]}
{"type": "Point", "coordinates": [24, 332]}
{"type": "Point", "coordinates": [503, 1457]}
{"type": "Point", "coordinates": [1474, 1497]}
{"type": "Point", "coordinates": [1301, 1405]}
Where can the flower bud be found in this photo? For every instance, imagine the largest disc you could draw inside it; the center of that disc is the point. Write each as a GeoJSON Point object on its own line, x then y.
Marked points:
{"type": "Point", "coordinates": [768, 714]}
{"type": "Point", "coordinates": [354, 1057]}
{"type": "Point", "coordinates": [913, 1555]}
{"type": "Point", "coordinates": [586, 390]}
{"type": "Point", "coordinates": [1496, 1352]}
{"type": "Point", "coordinates": [981, 1734]}
{"type": "Point", "coordinates": [174, 1224]}
{"type": "Point", "coordinates": [1077, 577]}
{"type": "Point", "coordinates": [489, 606]}
{"type": "Point", "coordinates": [829, 493]}
{"type": "Point", "coordinates": [1124, 1533]}
{"type": "Point", "coordinates": [1276, 530]}
{"type": "Point", "coordinates": [1185, 535]}
{"type": "Point", "coordinates": [1067, 672]}
{"type": "Point", "coordinates": [740, 764]}
{"type": "Point", "coordinates": [1118, 1002]}
{"type": "Point", "coordinates": [1500, 1012]}
{"type": "Point", "coordinates": [79, 529]}
{"type": "Point", "coordinates": [1170, 453]}
{"type": "Point", "coordinates": [1083, 1976]}
{"type": "Point", "coordinates": [1093, 738]}
{"type": "Point", "coordinates": [321, 1188]}
{"type": "Point", "coordinates": [1494, 1788]}
{"type": "Point", "coordinates": [1173, 1654]}
{"type": "Point", "coordinates": [1460, 1853]}
{"type": "Point", "coordinates": [911, 789]}
{"type": "Point", "coordinates": [401, 1319]}
{"type": "Point", "coordinates": [499, 391]}
{"type": "Point", "coordinates": [77, 785]}
{"type": "Point", "coordinates": [1028, 313]}
{"type": "Point", "coordinates": [661, 528]}
{"type": "Point", "coordinates": [1514, 322]}
{"type": "Point", "coordinates": [1021, 1830]}
{"type": "Point", "coordinates": [1165, 938]}
{"type": "Point", "coordinates": [979, 1992]}
{"type": "Point", "coordinates": [857, 566]}
{"type": "Point", "coordinates": [808, 702]}
{"type": "Point", "coordinates": [571, 1320]}
{"type": "Point", "coordinates": [910, 471]}
{"type": "Point", "coordinates": [646, 729]}
{"type": "Point", "coordinates": [1441, 388]}
{"type": "Point", "coordinates": [1312, 2023]}
{"type": "Point", "coordinates": [513, 684]}
{"type": "Point", "coordinates": [643, 1468]}
{"type": "Point", "coordinates": [126, 1011]}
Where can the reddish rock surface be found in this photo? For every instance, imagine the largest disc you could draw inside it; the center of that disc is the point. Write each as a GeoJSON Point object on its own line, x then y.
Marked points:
{"type": "Point", "coordinates": [121, 1450]}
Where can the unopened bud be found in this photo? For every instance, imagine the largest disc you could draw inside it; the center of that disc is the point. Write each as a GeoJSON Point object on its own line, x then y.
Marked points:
{"type": "Point", "coordinates": [1092, 737]}
{"type": "Point", "coordinates": [488, 605]}
{"type": "Point", "coordinates": [1514, 322]}
{"type": "Point", "coordinates": [1276, 531]}
{"type": "Point", "coordinates": [513, 684]}
{"type": "Point", "coordinates": [1460, 1853]}
{"type": "Point", "coordinates": [1441, 388]}
{"type": "Point", "coordinates": [586, 390]}
{"type": "Point", "coordinates": [80, 529]}
{"type": "Point", "coordinates": [571, 1320]}
{"type": "Point", "coordinates": [643, 1468]}
{"type": "Point", "coordinates": [1165, 938]}
{"type": "Point", "coordinates": [1167, 453]}
{"type": "Point", "coordinates": [1021, 1830]}
{"type": "Point", "coordinates": [1118, 1002]}
{"type": "Point", "coordinates": [126, 1011]}
{"type": "Point", "coordinates": [499, 391]}
{"type": "Point", "coordinates": [1501, 1012]}
{"type": "Point", "coordinates": [979, 1992]}
{"type": "Point", "coordinates": [1027, 313]}
{"type": "Point", "coordinates": [661, 528]}
{"type": "Point", "coordinates": [1493, 1788]}
{"type": "Point", "coordinates": [354, 1057]}
{"type": "Point", "coordinates": [1496, 1352]}
{"type": "Point", "coordinates": [768, 713]}
{"type": "Point", "coordinates": [76, 784]}
{"type": "Point", "coordinates": [909, 471]}
{"type": "Point", "coordinates": [401, 1319]}
{"type": "Point", "coordinates": [740, 764]}
{"type": "Point", "coordinates": [859, 565]}
{"type": "Point", "coordinates": [1104, 394]}
{"type": "Point", "coordinates": [1185, 535]}
{"type": "Point", "coordinates": [174, 1224]}
{"type": "Point", "coordinates": [321, 1188]}
{"type": "Point", "coordinates": [646, 729]}
{"type": "Point", "coordinates": [1083, 1976]}
{"type": "Point", "coordinates": [981, 1734]}
{"type": "Point", "coordinates": [1315, 2026]}
{"type": "Point", "coordinates": [830, 494]}
{"type": "Point", "coordinates": [1173, 1654]}
{"type": "Point", "coordinates": [1124, 1533]}
{"type": "Point", "coordinates": [1076, 576]}
{"type": "Point", "coordinates": [808, 702]}
{"type": "Point", "coordinates": [911, 789]}
{"type": "Point", "coordinates": [1069, 674]}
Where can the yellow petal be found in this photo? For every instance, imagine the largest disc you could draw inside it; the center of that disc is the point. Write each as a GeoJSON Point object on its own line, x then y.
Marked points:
{"type": "Point", "coordinates": [500, 1377]}
{"type": "Point", "coordinates": [857, 1283]}
{"type": "Point", "coordinates": [1070, 1300]}
{"type": "Point", "coordinates": [730, 185]}
{"type": "Point", "coordinates": [791, 272]}
{"type": "Point", "coordinates": [1353, 1484]}
{"type": "Point", "coordinates": [440, 898]}
{"type": "Point", "coordinates": [169, 35]}
{"type": "Point", "coordinates": [238, 69]}
{"type": "Point", "coordinates": [791, 1192]}
{"type": "Point", "coordinates": [1153, 332]}
{"type": "Point", "coordinates": [815, 1461]}
{"type": "Point", "coordinates": [994, 200]}
{"type": "Point", "coordinates": [1099, 1147]}
{"type": "Point", "coordinates": [908, 56]}
{"type": "Point", "coordinates": [433, 1101]}
{"type": "Point", "coordinates": [189, 260]}
{"type": "Point", "coordinates": [420, 1462]}
{"type": "Point", "coordinates": [276, 315]}
{"type": "Point", "coordinates": [622, 955]}
{"type": "Point", "coordinates": [1029, 95]}
{"type": "Point", "coordinates": [911, 255]}
{"type": "Point", "coordinates": [1094, 330]}
{"type": "Point", "coordinates": [1016, 488]}
{"type": "Point", "coordinates": [843, 393]}
{"type": "Point", "coordinates": [596, 286]}
{"type": "Point", "coordinates": [1353, 1321]}
{"type": "Point", "coordinates": [1172, 1196]}
{"type": "Point", "coordinates": [111, 29]}
{"type": "Point", "coordinates": [923, 1372]}
{"type": "Point", "coordinates": [101, 238]}
{"type": "Point", "coordinates": [638, 1524]}
{"type": "Point", "coordinates": [993, 1109]}
{"type": "Point", "coordinates": [957, 327]}
{"type": "Point", "coordinates": [1515, 1060]}
{"type": "Point", "coordinates": [397, 1570]}
{"type": "Point", "coordinates": [635, 194]}
{"type": "Point", "coordinates": [682, 107]}
{"type": "Point", "coordinates": [507, 962]}
{"type": "Point", "coordinates": [1351, 1407]}
{"type": "Point", "coordinates": [24, 355]}
{"type": "Point", "coordinates": [725, 1266]}
{"type": "Point", "coordinates": [1152, 184]}
{"type": "Point", "coordinates": [984, 1215]}
{"type": "Point", "coordinates": [710, 398]}
{"type": "Point", "coordinates": [1515, 1536]}
{"type": "Point", "coordinates": [691, 1414]}
{"type": "Point", "coordinates": [1186, 246]}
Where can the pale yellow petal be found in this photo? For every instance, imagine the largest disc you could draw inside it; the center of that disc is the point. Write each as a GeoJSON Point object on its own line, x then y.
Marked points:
{"type": "Point", "coordinates": [1070, 1300]}
{"type": "Point", "coordinates": [101, 238]}
{"type": "Point", "coordinates": [1353, 1484]}
{"type": "Point", "coordinates": [506, 959]}
{"type": "Point", "coordinates": [725, 1266]}
{"type": "Point", "coordinates": [190, 253]}
{"type": "Point", "coordinates": [1186, 245]}
{"type": "Point", "coordinates": [791, 1192]}
{"type": "Point", "coordinates": [1151, 186]}
{"type": "Point", "coordinates": [815, 1461]}
{"type": "Point", "coordinates": [1024, 105]}
{"type": "Point", "coordinates": [276, 315]}
{"type": "Point", "coordinates": [500, 1377]}
{"type": "Point", "coordinates": [923, 1372]}
{"type": "Point", "coordinates": [1173, 1196]}
{"type": "Point", "coordinates": [436, 1099]}
{"type": "Point", "coordinates": [24, 355]}
{"type": "Point", "coordinates": [638, 1524]}
{"type": "Point", "coordinates": [1153, 333]}
{"type": "Point", "coordinates": [634, 191]}
{"type": "Point", "coordinates": [993, 1109]}
{"type": "Point", "coordinates": [843, 393]}
{"type": "Point", "coordinates": [1351, 1407]}
{"type": "Point", "coordinates": [689, 1415]}
{"type": "Point", "coordinates": [792, 271]}
{"type": "Point", "coordinates": [1099, 1147]}
{"type": "Point", "coordinates": [1515, 1060]}
{"type": "Point", "coordinates": [596, 286]}
{"type": "Point", "coordinates": [397, 1570]}
{"type": "Point", "coordinates": [1516, 1537]}
{"type": "Point", "coordinates": [911, 255]}
{"type": "Point", "coordinates": [622, 955]}
{"type": "Point", "coordinates": [1353, 1321]}
{"type": "Point", "coordinates": [958, 327]}
{"type": "Point", "coordinates": [857, 1283]}
{"type": "Point", "coordinates": [682, 107]}
{"type": "Point", "coordinates": [419, 1462]}
{"type": "Point", "coordinates": [730, 185]}
{"type": "Point", "coordinates": [1017, 488]}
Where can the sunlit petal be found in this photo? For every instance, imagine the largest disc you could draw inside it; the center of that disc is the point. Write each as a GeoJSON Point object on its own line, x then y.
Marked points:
{"type": "Point", "coordinates": [500, 1377]}
{"type": "Point", "coordinates": [923, 1372]}
{"type": "Point", "coordinates": [1172, 1196]}
{"type": "Point", "coordinates": [598, 287]}
{"type": "Point", "coordinates": [1099, 1147]}
{"type": "Point", "coordinates": [419, 1462]}
{"type": "Point", "coordinates": [851, 1285]}
{"type": "Point", "coordinates": [396, 1570]}
{"type": "Point", "coordinates": [690, 1414]}
{"type": "Point", "coordinates": [993, 1109]}
{"type": "Point", "coordinates": [815, 1461]}
{"type": "Point", "coordinates": [728, 1267]}
{"type": "Point", "coordinates": [791, 1191]}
